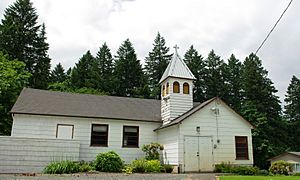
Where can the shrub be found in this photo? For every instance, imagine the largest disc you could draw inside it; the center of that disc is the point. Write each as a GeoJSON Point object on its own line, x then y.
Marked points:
{"type": "Point", "coordinates": [151, 150]}
{"type": "Point", "coordinates": [108, 162]}
{"type": "Point", "coordinates": [85, 167]}
{"type": "Point", "coordinates": [128, 169]}
{"type": "Point", "coordinates": [167, 168]}
{"type": "Point", "coordinates": [245, 170]}
{"type": "Point", "coordinates": [224, 168]}
{"type": "Point", "coordinates": [263, 172]}
{"type": "Point", "coordinates": [139, 165]}
{"type": "Point", "coordinates": [62, 167]}
{"type": "Point", "coordinates": [280, 167]}
{"type": "Point", "coordinates": [153, 166]}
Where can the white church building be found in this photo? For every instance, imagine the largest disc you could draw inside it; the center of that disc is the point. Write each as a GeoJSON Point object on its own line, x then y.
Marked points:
{"type": "Point", "coordinates": [57, 125]}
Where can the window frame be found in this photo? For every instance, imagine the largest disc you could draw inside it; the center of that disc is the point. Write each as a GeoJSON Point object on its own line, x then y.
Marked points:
{"type": "Point", "coordinates": [188, 88]}
{"type": "Point", "coordinates": [244, 149]}
{"type": "Point", "coordinates": [99, 145]}
{"type": "Point", "coordinates": [65, 125]}
{"type": "Point", "coordinates": [167, 88]}
{"type": "Point", "coordinates": [177, 83]}
{"type": "Point", "coordinates": [138, 137]}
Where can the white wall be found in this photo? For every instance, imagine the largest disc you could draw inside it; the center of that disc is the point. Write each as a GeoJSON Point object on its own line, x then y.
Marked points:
{"type": "Point", "coordinates": [18, 155]}
{"type": "Point", "coordinates": [169, 139]}
{"type": "Point", "coordinates": [34, 126]}
{"type": "Point", "coordinates": [176, 103]}
{"type": "Point", "coordinates": [229, 126]}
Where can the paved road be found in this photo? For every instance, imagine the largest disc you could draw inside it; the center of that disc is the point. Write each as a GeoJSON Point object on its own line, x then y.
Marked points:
{"type": "Point", "coordinates": [110, 176]}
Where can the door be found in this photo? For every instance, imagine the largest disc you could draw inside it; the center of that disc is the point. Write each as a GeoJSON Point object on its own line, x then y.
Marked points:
{"type": "Point", "coordinates": [198, 154]}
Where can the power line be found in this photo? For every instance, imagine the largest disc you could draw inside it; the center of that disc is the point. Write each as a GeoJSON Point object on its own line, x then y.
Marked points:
{"type": "Point", "coordinates": [273, 27]}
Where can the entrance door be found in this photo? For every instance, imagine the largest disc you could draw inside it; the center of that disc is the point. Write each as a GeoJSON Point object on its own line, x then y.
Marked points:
{"type": "Point", "coordinates": [198, 154]}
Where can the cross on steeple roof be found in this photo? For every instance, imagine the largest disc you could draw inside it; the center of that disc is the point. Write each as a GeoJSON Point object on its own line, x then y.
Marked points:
{"type": "Point", "coordinates": [177, 68]}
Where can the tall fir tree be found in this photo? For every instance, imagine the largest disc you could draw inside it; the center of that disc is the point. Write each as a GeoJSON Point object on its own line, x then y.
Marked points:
{"type": "Point", "coordinates": [156, 63]}
{"type": "Point", "coordinates": [23, 39]}
{"type": "Point", "coordinates": [233, 80]}
{"type": "Point", "coordinates": [196, 64]}
{"type": "Point", "coordinates": [128, 72]}
{"type": "Point", "coordinates": [292, 112]}
{"type": "Point", "coordinates": [214, 79]}
{"type": "Point", "coordinates": [259, 97]}
{"type": "Point", "coordinates": [104, 69]}
{"type": "Point", "coordinates": [82, 74]}
{"type": "Point", "coordinates": [58, 74]}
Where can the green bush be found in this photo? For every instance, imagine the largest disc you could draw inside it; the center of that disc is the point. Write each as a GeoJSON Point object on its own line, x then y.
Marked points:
{"type": "Point", "coordinates": [62, 167]}
{"type": "Point", "coordinates": [108, 162]}
{"type": "Point", "coordinates": [85, 167]}
{"type": "Point", "coordinates": [280, 167]}
{"type": "Point", "coordinates": [153, 166]}
{"type": "Point", "coordinates": [152, 150]}
{"type": "Point", "coordinates": [167, 168]}
{"type": "Point", "coordinates": [263, 172]}
{"type": "Point", "coordinates": [224, 168]}
{"type": "Point", "coordinates": [296, 174]}
{"type": "Point", "coordinates": [143, 165]}
{"type": "Point", "coordinates": [139, 165]}
{"type": "Point", "coordinates": [245, 170]}
{"type": "Point", "coordinates": [128, 169]}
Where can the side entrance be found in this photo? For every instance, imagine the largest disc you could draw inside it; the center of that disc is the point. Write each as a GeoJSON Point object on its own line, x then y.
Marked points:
{"type": "Point", "coordinates": [198, 154]}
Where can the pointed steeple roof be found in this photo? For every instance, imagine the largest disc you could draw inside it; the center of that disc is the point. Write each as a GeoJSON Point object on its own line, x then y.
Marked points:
{"type": "Point", "coordinates": [177, 68]}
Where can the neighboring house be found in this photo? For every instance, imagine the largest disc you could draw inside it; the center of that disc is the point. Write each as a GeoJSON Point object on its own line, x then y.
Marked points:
{"type": "Point", "coordinates": [291, 157]}
{"type": "Point", "coordinates": [195, 136]}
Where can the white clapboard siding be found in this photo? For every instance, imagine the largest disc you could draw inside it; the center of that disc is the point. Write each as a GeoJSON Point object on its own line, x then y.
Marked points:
{"type": "Point", "coordinates": [175, 104]}
{"type": "Point", "coordinates": [169, 139]}
{"type": "Point", "coordinates": [19, 155]}
{"type": "Point", "coordinates": [34, 126]}
{"type": "Point", "coordinates": [229, 126]}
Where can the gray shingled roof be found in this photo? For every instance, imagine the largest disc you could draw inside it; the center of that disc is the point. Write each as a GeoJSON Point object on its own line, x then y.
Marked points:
{"type": "Point", "coordinates": [54, 103]}
{"type": "Point", "coordinates": [42, 102]}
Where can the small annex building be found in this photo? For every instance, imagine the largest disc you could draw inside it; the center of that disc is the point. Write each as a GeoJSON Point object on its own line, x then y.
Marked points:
{"type": "Point", "coordinates": [291, 157]}
{"type": "Point", "coordinates": [195, 136]}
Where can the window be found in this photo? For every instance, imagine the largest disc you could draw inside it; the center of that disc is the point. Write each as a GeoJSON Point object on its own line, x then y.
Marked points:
{"type": "Point", "coordinates": [186, 88]}
{"type": "Point", "coordinates": [241, 147]}
{"type": "Point", "coordinates": [64, 131]}
{"type": "Point", "coordinates": [99, 135]}
{"type": "Point", "coordinates": [131, 136]}
{"type": "Point", "coordinates": [176, 87]}
{"type": "Point", "coordinates": [164, 91]}
{"type": "Point", "coordinates": [168, 87]}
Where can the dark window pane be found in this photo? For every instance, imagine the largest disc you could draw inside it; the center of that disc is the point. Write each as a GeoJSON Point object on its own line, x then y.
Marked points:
{"type": "Point", "coordinates": [130, 136]}
{"type": "Point", "coordinates": [241, 147]}
{"type": "Point", "coordinates": [99, 135]}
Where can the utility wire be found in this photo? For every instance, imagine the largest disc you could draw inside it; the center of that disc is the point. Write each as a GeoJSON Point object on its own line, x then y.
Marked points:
{"type": "Point", "coordinates": [273, 27]}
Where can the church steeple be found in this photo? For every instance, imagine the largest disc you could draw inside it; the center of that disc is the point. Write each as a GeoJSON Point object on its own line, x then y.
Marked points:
{"type": "Point", "coordinates": [176, 89]}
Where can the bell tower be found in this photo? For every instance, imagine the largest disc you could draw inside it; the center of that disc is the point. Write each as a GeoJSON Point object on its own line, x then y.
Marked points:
{"type": "Point", "coordinates": [176, 89]}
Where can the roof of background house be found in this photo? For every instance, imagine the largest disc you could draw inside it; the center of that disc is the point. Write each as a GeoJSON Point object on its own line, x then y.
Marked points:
{"type": "Point", "coordinates": [280, 155]}
{"type": "Point", "coordinates": [54, 103]}
{"type": "Point", "coordinates": [177, 68]}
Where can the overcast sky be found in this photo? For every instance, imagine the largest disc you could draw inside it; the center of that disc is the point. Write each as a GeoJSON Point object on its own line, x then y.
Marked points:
{"type": "Point", "coordinates": [227, 26]}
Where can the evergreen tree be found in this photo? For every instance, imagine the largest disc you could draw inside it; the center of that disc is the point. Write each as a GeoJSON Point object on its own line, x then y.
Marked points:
{"type": "Point", "coordinates": [104, 69]}
{"type": "Point", "coordinates": [259, 97]}
{"type": "Point", "coordinates": [82, 73]}
{"type": "Point", "coordinates": [23, 39]}
{"type": "Point", "coordinates": [156, 63]}
{"type": "Point", "coordinates": [128, 72]}
{"type": "Point", "coordinates": [292, 111]}
{"type": "Point", "coordinates": [214, 79]}
{"type": "Point", "coordinates": [196, 64]}
{"type": "Point", "coordinates": [234, 83]}
{"type": "Point", "coordinates": [58, 74]}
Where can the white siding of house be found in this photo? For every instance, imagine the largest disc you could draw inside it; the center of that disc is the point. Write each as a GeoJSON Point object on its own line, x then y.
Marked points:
{"type": "Point", "coordinates": [34, 126]}
{"type": "Point", "coordinates": [176, 103]}
{"type": "Point", "coordinates": [19, 155]}
{"type": "Point", "coordinates": [169, 139]}
{"type": "Point", "coordinates": [229, 125]}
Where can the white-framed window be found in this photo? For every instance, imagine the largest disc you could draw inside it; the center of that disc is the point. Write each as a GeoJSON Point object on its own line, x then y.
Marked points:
{"type": "Point", "coordinates": [64, 131]}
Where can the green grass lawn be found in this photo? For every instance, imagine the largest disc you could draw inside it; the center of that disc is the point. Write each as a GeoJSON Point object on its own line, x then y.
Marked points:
{"type": "Point", "coordinates": [259, 177]}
